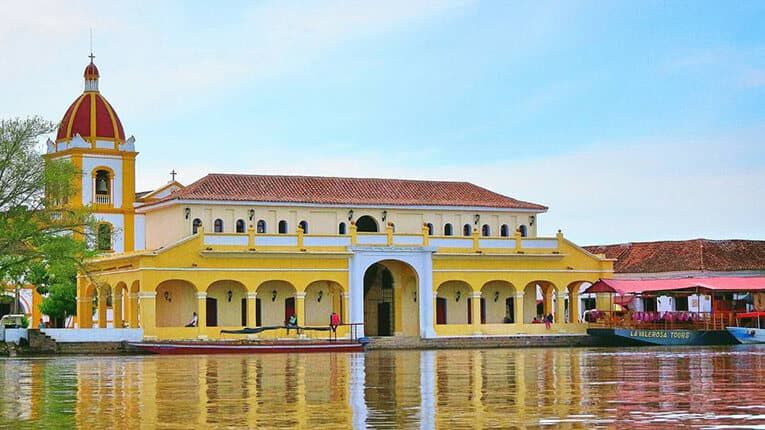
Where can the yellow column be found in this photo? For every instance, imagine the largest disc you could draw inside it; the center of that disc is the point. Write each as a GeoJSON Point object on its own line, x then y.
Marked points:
{"type": "Point", "coordinates": [300, 308]}
{"type": "Point", "coordinates": [476, 312]}
{"type": "Point", "coordinates": [133, 310]}
{"type": "Point", "coordinates": [117, 309]}
{"type": "Point", "coordinates": [547, 301]}
{"type": "Point", "coordinates": [202, 315]}
{"type": "Point", "coordinates": [560, 308]}
{"type": "Point", "coordinates": [101, 309]}
{"type": "Point", "coordinates": [84, 312]}
{"type": "Point", "coordinates": [36, 315]}
{"type": "Point", "coordinates": [148, 310]}
{"type": "Point", "coordinates": [251, 308]}
{"type": "Point", "coordinates": [573, 304]}
{"type": "Point", "coordinates": [518, 308]}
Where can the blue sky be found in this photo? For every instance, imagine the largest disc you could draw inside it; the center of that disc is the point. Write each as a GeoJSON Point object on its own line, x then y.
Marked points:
{"type": "Point", "coordinates": [632, 121]}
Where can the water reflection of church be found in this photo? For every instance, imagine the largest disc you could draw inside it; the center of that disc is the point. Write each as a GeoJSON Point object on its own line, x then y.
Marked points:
{"type": "Point", "coordinates": [404, 257]}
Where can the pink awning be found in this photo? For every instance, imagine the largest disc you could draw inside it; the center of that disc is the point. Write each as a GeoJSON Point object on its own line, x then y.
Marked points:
{"type": "Point", "coordinates": [637, 286]}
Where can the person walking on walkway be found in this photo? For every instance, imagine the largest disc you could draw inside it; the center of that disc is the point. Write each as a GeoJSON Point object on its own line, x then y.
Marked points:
{"type": "Point", "coordinates": [548, 321]}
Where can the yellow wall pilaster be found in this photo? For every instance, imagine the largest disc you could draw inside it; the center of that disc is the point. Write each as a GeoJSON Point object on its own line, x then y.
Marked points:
{"type": "Point", "coordinates": [117, 309]}
{"type": "Point", "coordinates": [475, 304]}
{"type": "Point", "coordinates": [202, 314]}
{"type": "Point", "coordinates": [560, 308]}
{"type": "Point", "coordinates": [300, 307]}
{"type": "Point", "coordinates": [101, 310]}
{"type": "Point", "coordinates": [148, 309]}
{"type": "Point", "coordinates": [346, 315]}
{"type": "Point", "coordinates": [252, 308]}
{"type": "Point", "coordinates": [133, 310]}
{"type": "Point", "coordinates": [518, 308]}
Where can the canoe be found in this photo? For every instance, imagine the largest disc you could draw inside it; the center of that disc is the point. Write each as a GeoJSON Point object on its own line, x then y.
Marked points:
{"type": "Point", "coordinates": [213, 347]}
{"type": "Point", "coordinates": [747, 335]}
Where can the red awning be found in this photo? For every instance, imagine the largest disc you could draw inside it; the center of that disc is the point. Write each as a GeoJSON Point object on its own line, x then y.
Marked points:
{"type": "Point", "coordinates": [750, 315]}
{"type": "Point", "coordinates": [638, 286]}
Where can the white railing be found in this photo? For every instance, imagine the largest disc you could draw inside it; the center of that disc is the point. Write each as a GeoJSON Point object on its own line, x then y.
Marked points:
{"type": "Point", "coordinates": [103, 199]}
{"type": "Point", "coordinates": [515, 244]}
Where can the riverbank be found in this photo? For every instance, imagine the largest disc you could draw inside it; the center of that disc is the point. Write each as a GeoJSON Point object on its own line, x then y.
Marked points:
{"type": "Point", "coordinates": [375, 343]}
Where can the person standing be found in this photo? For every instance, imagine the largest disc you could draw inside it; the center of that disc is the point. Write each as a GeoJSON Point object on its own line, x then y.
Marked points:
{"type": "Point", "coordinates": [548, 321]}
{"type": "Point", "coordinates": [334, 321]}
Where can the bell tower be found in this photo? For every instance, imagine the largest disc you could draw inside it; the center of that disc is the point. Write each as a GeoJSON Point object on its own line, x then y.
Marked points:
{"type": "Point", "coordinates": [91, 136]}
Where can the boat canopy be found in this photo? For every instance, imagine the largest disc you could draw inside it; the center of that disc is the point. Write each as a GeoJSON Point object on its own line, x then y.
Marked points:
{"type": "Point", "coordinates": [755, 314]}
{"type": "Point", "coordinates": [639, 286]}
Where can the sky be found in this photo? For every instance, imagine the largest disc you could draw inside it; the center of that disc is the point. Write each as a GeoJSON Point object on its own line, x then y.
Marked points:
{"type": "Point", "coordinates": [631, 121]}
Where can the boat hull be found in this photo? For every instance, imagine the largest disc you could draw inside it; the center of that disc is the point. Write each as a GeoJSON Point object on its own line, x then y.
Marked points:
{"type": "Point", "coordinates": [747, 335]}
{"type": "Point", "coordinates": [626, 336]}
{"type": "Point", "coordinates": [180, 348]}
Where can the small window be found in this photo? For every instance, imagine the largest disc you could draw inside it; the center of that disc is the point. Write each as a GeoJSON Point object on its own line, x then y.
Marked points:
{"type": "Point", "coordinates": [261, 226]}
{"type": "Point", "coordinates": [218, 226]}
{"type": "Point", "coordinates": [681, 303]}
{"type": "Point", "coordinates": [282, 227]}
{"type": "Point", "coordinates": [341, 229]}
{"type": "Point", "coordinates": [448, 230]}
{"type": "Point", "coordinates": [104, 237]}
{"type": "Point", "coordinates": [304, 225]}
{"type": "Point", "coordinates": [466, 230]}
{"type": "Point", "coordinates": [430, 229]}
{"type": "Point", "coordinates": [195, 225]}
{"type": "Point", "coordinates": [240, 226]}
{"type": "Point", "coordinates": [486, 230]}
{"type": "Point", "coordinates": [504, 231]}
{"type": "Point", "coordinates": [524, 231]}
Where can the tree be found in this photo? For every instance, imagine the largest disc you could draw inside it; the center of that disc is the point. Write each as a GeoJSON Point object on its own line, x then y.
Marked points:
{"type": "Point", "coordinates": [43, 239]}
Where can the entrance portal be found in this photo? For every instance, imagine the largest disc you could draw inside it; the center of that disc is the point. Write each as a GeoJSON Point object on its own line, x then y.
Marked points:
{"type": "Point", "coordinates": [390, 300]}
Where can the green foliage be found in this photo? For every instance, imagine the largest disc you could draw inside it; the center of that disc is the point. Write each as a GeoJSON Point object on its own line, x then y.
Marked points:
{"type": "Point", "coordinates": [24, 322]}
{"type": "Point", "coordinates": [43, 239]}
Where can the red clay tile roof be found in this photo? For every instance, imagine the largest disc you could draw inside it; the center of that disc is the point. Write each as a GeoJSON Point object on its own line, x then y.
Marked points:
{"type": "Point", "coordinates": [685, 256]}
{"type": "Point", "coordinates": [345, 191]}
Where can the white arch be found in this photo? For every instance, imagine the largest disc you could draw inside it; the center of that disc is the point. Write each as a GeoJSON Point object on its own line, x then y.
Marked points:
{"type": "Point", "coordinates": [421, 262]}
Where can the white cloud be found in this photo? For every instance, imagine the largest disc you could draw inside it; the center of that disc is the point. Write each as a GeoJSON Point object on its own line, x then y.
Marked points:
{"type": "Point", "coordinates": [644, 189]}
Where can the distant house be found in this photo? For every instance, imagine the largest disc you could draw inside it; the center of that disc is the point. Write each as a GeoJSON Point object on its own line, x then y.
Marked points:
{"type": "Point", "coordinates": [697, 258]}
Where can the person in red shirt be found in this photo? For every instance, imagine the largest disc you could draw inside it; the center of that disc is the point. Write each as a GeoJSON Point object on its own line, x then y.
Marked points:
{"type": "Point", "coordinates": [334, 321]}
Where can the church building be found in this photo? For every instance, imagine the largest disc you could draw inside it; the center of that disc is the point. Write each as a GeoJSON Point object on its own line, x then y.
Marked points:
{"type": "Point", "coordinates": [394, 257]}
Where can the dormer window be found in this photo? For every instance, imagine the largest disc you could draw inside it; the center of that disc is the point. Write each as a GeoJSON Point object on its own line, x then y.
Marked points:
{"type": "Point", "coordinates": [103, 187]}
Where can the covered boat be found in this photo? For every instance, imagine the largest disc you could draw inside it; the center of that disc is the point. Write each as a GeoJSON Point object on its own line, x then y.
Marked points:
{"type": "Point", "coordinates": [691, 326]}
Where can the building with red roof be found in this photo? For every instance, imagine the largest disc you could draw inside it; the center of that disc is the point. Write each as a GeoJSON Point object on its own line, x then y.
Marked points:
{"type": "Point", "coordinates": [392, 257]}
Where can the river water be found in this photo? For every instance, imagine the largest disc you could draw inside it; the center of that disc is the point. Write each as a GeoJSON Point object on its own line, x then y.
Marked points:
{"type": "Point", "coordinates": [650, 388]}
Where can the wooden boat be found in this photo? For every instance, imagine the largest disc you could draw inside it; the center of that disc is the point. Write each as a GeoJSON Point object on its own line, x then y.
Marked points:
{"type": "Point", "coordinates": [258, 346]}
{"type": "Point", "coordinates": [749, 328]}
{"type": "Point", "coordinates": [248, 347]}
{"type": "Point", "coordinates": [668, 337]}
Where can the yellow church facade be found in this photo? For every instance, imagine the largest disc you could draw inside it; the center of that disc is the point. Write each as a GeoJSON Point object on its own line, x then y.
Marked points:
{"type": "Point", "coordinates": [391, 257]}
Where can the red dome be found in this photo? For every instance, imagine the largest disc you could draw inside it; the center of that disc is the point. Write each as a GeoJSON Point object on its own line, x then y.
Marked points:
{"type": "Point", "coordinates": [91, 71]}
{"type": "Point", "coordinates": [90, 115]}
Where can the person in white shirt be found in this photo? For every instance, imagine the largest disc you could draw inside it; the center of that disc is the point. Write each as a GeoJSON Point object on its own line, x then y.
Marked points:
{"type": "Point", "coordinates": [194, 321]}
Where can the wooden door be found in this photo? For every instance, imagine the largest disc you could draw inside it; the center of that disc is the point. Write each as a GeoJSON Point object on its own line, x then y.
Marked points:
{"type": "Point", "coordinates": [258, 313]}
{"type": "Point", "coordinates": [212, 312]}
{"type": "Point", "coordinates": [384, 319]}
{"type": "Point", "coordinates": [440, 310]}
{"type": "Point", "coordinates": [483, 310]}
{"type": "Point", "coordinates": [289, 309]}
{"type": "Point", "coordinates": [244, 312]}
